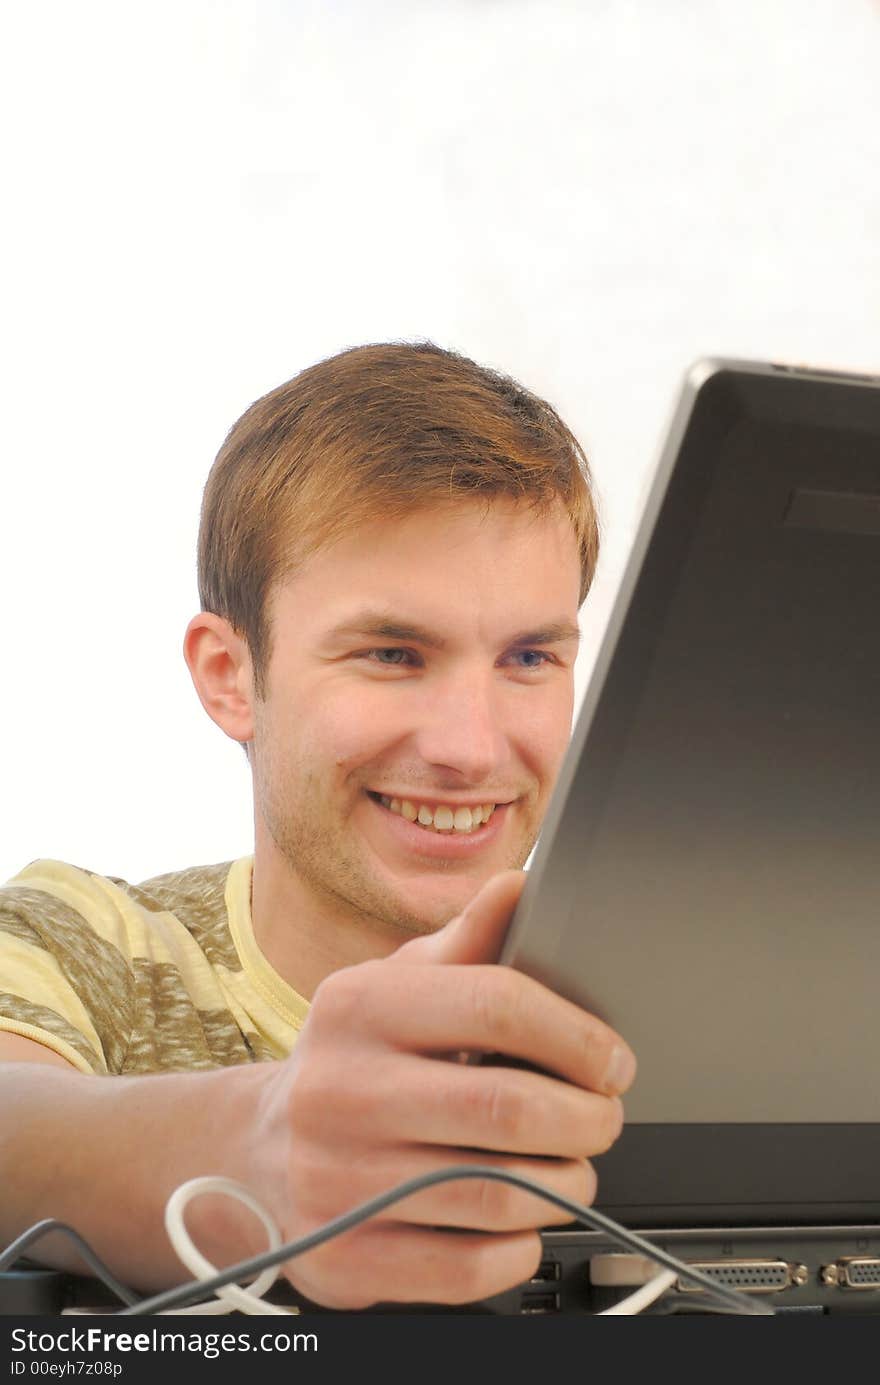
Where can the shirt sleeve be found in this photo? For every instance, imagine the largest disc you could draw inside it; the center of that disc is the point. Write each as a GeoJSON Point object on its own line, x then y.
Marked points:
{"type": "Point", "coordinates": [61, 983]}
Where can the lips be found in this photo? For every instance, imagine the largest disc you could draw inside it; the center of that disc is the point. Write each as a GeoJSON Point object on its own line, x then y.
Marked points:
{"type": "Point", "coordinates": [413, 838]}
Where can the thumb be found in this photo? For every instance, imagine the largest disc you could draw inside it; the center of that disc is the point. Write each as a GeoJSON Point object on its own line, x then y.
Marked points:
{"type": "Point", "coordinates": [477, 933]}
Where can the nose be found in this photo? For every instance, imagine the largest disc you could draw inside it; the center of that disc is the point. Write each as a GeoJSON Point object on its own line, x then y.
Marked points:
{"type": "Point", "coordinates": [462, 729]}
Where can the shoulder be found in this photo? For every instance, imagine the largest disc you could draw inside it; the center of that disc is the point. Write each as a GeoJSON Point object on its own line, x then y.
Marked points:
{"type": "Point", "coordinates": [138, 919]}
{"type": "Point", "coordinates": [192, 891]}
{"type": "Point", "coordinates": [50, 890]}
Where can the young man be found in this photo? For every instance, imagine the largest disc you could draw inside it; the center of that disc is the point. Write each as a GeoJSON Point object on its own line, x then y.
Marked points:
{"type": "Point", "coordinates": [393, 550]}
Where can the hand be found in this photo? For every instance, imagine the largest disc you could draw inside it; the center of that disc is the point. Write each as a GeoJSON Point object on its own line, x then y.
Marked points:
{"type": "Point", "coordinates": [370, 1098]}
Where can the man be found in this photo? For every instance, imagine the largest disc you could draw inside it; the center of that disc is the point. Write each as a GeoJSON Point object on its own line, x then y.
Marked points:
{"type": "Point", "coordinates": [393, 550]}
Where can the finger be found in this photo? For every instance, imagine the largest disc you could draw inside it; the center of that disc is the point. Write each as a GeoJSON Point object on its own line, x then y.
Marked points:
{"type": "Point", "coordinates": [434, 1010]}
{"type": "Point", "coordinates": [509, 1110]}
{"type": "Point", "coordinates": [385, 1262]}
{"type": "Point", "coordinates": [483, 1204]}
{"type": "Point", "coordinates": [477, 933]}
{"type": "Point", "coordinates": [480, 1204]}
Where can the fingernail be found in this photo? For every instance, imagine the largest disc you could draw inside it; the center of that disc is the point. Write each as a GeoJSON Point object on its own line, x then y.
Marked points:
{"type": "Point", "coordinates": [621, 1070]}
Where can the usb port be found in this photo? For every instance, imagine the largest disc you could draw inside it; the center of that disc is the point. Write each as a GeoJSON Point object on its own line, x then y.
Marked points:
{"type": "Point", "coordinates": [546, 1273]}
{"type": "Point", "coordinates": [540, 1303]}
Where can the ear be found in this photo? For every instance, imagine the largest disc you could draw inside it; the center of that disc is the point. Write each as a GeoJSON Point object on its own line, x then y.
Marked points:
{"type": "Point", "coordinates": [220, 666]}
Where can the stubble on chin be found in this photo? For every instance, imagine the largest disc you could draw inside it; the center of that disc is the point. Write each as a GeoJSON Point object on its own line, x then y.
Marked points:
{"type": "Point", "coordinates": [320, 852]}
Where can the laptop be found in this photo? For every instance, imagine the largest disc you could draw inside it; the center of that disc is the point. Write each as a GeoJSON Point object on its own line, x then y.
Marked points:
{"type": "Point", "coordinates": [708, 875]}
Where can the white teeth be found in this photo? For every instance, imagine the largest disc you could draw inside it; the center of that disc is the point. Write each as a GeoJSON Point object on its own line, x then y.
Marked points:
{"type": "Point", "coordinates": [442, 818]}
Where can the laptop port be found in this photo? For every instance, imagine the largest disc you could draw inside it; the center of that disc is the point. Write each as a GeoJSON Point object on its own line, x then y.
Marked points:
{"type": "Point", "coordinates": [619, 1270]}
{"type": "Point", "coordinates": [546, 1273]}
{"type": "Point", "coordinates": [852, 1272]}
{"type": "Point", "coordinates": [749, 1276]}
{"type": "Point", "coordinates": [540, 1303]}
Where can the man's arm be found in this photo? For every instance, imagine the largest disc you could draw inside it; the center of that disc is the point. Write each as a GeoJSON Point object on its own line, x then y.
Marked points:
{"type": "Point", "coordinates": [368, 1098]}
{"type": "Point", "coordinates": [105, 1153]}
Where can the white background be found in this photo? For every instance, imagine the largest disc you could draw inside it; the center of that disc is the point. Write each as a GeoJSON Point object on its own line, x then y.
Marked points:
{"type": "Point", "coordinates": [203, 197]}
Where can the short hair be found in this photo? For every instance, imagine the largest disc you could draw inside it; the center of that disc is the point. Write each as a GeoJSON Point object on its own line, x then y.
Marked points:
{"type": "Point", "coordinates": [375, 432]}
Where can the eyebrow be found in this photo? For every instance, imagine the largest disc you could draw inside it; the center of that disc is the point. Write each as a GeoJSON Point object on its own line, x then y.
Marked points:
{"type": "Point", "coordinates": [382, 625]}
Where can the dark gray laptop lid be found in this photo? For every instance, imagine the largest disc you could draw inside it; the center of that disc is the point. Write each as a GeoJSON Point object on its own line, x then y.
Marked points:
{"type": "Point", "coordinates": [708, 877]}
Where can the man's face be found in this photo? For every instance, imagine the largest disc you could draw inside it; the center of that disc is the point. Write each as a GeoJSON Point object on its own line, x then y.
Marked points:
{"type": "Point", "coordinates": [419, 664]}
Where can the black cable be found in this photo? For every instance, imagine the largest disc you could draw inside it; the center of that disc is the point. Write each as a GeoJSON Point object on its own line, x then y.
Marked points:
{"type": "Point", "coordinates": [189, 1293]}
{"type": "Point", "coordinates": [40, 1229]}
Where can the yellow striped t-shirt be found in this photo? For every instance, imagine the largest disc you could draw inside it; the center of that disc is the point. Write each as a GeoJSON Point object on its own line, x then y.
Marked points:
{"type": "Point", "coordinates": [163, 976]}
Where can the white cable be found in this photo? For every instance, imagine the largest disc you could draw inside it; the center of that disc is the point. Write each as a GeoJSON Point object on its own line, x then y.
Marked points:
{"type": "Point", "coordinates": [230, 1296]}
{"type": "Point", "coordinates": [249, 1301]}
{"type": "Point", "coordinates": [648, 1293]}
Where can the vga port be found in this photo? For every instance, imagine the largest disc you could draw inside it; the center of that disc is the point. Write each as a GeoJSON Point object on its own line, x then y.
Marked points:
{"type": "Point", "coordinates": [749, 1276]}
{"type": "Point", "coordinates": [853, 1272]}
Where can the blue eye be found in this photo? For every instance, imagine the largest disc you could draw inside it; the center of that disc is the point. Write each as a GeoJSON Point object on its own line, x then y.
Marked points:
{"type": "Point", "coordinates": [544, 658]}
{"type": "Point", "coordinates": [392, 649]}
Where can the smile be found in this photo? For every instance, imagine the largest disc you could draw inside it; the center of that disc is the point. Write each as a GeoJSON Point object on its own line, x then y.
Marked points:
{"type": "Point", "coordinates": [440, 818]}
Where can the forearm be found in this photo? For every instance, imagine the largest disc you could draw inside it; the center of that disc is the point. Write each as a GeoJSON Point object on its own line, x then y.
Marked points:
{"type": "Point", "coordinates": [105, 1153]}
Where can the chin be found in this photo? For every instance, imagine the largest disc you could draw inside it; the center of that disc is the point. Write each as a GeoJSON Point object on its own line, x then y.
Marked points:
{"type": "Point", "coordinates": [431, 909]}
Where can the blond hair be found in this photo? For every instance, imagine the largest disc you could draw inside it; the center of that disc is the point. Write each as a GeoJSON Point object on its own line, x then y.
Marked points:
{"type": "Point", "coordinates": [376, 432]}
